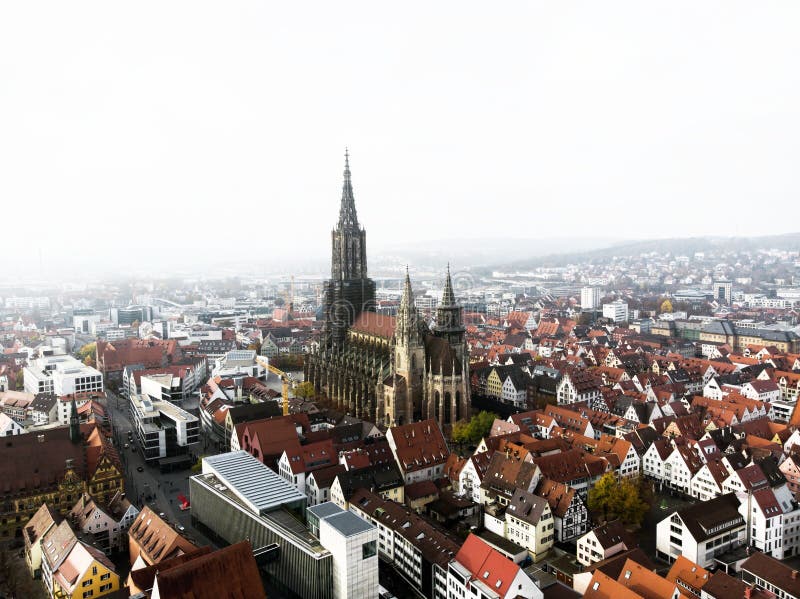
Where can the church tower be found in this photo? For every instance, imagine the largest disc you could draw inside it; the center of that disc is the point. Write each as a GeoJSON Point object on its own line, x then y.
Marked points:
{"type": "Point", "coordinates": [349, 291]}
{"type": "Point", "coordinates": [74, 423]}
{"type": "Point", "coordinates": [449, 315]}
{"type": "Point", "coordinates": [409, 356]}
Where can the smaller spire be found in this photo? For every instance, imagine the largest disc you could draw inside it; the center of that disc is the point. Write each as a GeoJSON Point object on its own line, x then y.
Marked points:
{"type": "Point", "coordinates": [407, 299]}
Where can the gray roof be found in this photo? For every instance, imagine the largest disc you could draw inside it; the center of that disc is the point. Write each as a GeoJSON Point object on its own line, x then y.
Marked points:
{"type": "Point", "coordinates": [259, 487]}
{"type": "Point", "coordinates": [323, 510]}
{"type": "Point", "coordinates": [526, 506]}
{"type": "Point", "coordinates": [348, 524]}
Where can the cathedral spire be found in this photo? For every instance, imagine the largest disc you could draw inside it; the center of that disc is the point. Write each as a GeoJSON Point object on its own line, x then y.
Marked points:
{"type": "Point", "coordinates": [448, 297]}
{"type": "Point", "coordinates": [347, 212]}
{"type": "Point", "coordinates": [407, 300]}
{"type": "Point", "coordinates": [74, 423]}
{"type": "Point", "coordinates": [407, 323]}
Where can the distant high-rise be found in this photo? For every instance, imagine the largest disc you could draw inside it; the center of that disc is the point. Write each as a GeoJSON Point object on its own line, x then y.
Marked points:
{"type": "Point", "coordinates": [616, 311]}
{"type": "Point", "coordinates": [723, 291]}
{"type": "Point", "coordinates": [590, 298]}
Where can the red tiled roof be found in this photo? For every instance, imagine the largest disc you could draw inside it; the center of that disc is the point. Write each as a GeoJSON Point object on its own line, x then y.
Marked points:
{"type": "Point", "coordinates": [487, 565]}
{"type": "Point", "coordinates": [372, 323]}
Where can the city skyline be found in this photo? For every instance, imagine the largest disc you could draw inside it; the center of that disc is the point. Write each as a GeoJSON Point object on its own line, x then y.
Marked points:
{"type": "Point", "coordinates": [652, 120]}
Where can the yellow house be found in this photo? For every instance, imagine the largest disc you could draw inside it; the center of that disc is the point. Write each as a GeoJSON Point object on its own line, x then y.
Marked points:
{"type": "Point", "coordinates": [85, 572]}
{"type": "Point", "coordinates": [494, 385]}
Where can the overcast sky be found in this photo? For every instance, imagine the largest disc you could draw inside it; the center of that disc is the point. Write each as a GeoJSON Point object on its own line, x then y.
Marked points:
{"type": "Point", "coordinates": [221, 126]}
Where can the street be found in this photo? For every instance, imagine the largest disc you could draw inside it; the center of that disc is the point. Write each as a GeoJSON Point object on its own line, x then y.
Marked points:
{"type": "Point", "coordinates": [158, 490]}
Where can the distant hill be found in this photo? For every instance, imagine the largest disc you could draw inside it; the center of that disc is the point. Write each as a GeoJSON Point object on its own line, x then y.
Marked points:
{"type": "Point", "coordinates": [680, 246]}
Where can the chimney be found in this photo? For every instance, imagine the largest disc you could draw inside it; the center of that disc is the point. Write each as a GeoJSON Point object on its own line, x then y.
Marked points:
{"type": "Point", "coordinates": [747, 592]}
{"type": "Point", "coordinates": [794, 574]}
{"type": "Point", "coordinates": [40, 438]}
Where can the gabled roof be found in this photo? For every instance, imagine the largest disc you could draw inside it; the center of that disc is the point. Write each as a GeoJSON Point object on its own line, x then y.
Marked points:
{"type": "Point", "coordinates": [419, 445]}
{"type": "Point", "coordinates": [41, 522]}
{"type": "Point", "coordinates": [156, 539]}
{"type": "Point", "coordinates": [558, 495]}
{"type": "Point", "coordinates": [526, 506]}
{"type": "Point", "coordinates": [710, 518]}
{"type": "Point", "coordinates": [688, 573]}
{"type": "Point", "coordinates": [645, 582]}
{"type": "Point", "coordinates": [487, 565]}
{"type": "Point", "coordinates": [613, 533]}
{"type": "Point", "coordinates": [228, 572]}
{"type": "Point", "coordinates": [773, 571]}
{"type": "Point", "coordinates": [307, 458]}
{"type": "Point", "coordinates": [377, 478]}
{"type": "Point", "coordinates": [721, 585]}
{"type": "Point", "coordinates": [602, 586]}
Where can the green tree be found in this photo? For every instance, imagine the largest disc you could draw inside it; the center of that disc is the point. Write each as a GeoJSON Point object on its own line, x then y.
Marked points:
{"type": "Point", "coordinates": [460, 432]}
{"type": "Point", "coordinates": [89, 361]}
{"type": "Point", "coordinates": [304, 390]}
{"type": "Point", "coordinates": [476, 429]}
{"type": "Point", "coordinates": [481, 425]}
{"type": "Point", "coordinates": [618, 499]}
{"type": "Point", "coordinates": [20, 380]}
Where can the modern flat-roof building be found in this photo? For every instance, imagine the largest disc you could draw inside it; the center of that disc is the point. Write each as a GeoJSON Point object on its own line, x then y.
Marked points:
{"type": "Point", "coordinates": [237, 497]}
{"type": "Point", "coordinates": [353, 542]}
{"type": "Point", "coordinates": [61, 375]}
{"type": "Point", "coordinates": [162, 428]}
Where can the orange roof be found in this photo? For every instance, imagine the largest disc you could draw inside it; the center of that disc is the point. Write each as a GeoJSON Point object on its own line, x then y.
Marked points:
{"type": "Point", "coordinates": [605, 587]}
{"type": "Point", "coordinates": [645, 582]}
{"type": "Point", "coordinates": [689, 573]}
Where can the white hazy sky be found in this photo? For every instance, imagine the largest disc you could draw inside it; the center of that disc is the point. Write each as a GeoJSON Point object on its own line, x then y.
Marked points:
{"type": "Point", "coordinates": [221, 125]}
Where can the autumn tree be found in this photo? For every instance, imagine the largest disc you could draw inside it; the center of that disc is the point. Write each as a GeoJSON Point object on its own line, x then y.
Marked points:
{"type": "Point", "coordinates": [88, 350]}
{"type": "Point", "coordinates": [304, 390]}
{"type": "Point", "coordinates": [618, 499]}
{"type": "Point", "coordinates": [666, 307]}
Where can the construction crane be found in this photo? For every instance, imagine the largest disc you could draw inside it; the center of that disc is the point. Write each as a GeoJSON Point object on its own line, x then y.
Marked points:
{"type": "Point", "coordinates": [286, 380]}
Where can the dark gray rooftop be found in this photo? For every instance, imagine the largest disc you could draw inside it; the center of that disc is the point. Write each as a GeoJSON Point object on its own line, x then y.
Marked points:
{"type": "Point", "coordinates": [348, 524]}
{"type": "Point", "coordinates": [323, 510]}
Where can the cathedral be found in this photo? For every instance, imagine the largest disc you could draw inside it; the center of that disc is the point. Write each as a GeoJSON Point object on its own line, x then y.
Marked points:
{"type": "Point", "coordinates": [391, 370]}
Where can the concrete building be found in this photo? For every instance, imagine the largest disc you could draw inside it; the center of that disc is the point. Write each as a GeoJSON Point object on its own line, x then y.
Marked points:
{"type": "Point", "coordinates": [61, 375]}
{"type": "Point", "coordinates": [353, 542]}
{"type": "Point", "coordinates": [419, 551]}
{"type": "Point", "coordinates": [723, 291]}
{"type": "Point", "coordinates": [590, 297]}
{"type": "Point", "coordinates": [162, 428]}
{"type": "Point", "coordinates": [702, 531]}
{"type": "Point", "coordinates": [237, 497]}
{"type": "Point", "coordinates": [616, 311]}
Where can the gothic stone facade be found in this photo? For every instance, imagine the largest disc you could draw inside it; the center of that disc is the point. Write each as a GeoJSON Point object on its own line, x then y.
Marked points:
{"type": "Point", "coordinates": [391, 370]}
